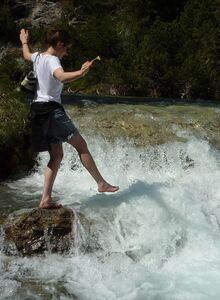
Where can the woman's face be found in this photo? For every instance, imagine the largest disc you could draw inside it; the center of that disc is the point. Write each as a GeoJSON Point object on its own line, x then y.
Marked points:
{"type": "Point", "coordinates": [62, 50]}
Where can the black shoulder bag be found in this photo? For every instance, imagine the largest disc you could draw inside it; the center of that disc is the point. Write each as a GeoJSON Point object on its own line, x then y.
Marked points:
{"type": "Point", "coordinates": [29, 83]}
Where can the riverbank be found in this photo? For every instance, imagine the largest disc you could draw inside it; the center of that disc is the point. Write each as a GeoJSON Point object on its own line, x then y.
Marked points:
{"type": "Point", "coordinates": [71, 98]}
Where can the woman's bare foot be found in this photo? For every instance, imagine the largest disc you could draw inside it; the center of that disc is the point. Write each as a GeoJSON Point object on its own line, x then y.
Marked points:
{"type": "Point", "coordinates": [49, 204]}
{"type": "Point", "coordinates": [105, 187]}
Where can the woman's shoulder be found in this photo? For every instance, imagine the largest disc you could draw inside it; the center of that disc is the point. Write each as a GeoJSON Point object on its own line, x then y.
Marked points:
{"type": "Point", "coordinates": [34, 55]}
{"type": "Point", "coordinates": [50, 58]}
{"type": "Point", "coordinates": [51, 62]}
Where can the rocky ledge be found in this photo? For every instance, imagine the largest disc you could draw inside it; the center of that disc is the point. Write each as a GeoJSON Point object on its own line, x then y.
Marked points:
{"type": "Point", "coordinates": [28, 232]}
{"type": "Point", "coordinates": [37, 13]}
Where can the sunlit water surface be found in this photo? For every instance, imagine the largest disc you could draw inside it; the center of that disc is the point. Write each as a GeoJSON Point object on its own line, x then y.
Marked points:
{"type": "Point", "coordinates": [157, 238]}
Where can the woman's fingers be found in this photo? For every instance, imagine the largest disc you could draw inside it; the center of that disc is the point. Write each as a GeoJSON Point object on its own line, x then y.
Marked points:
{"type": "Point", "coordinates": [87, 64]}
{"type": "Point", "coordinates": [85, 67]}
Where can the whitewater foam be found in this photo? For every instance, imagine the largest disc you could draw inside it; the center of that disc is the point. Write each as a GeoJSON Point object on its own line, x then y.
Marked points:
{"type": "Point", "coordinates": [157, 238]}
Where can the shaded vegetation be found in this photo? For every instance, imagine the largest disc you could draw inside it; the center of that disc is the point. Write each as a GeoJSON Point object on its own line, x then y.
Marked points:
{"type": "Point", "coordinates": [15, 154]}
{"type": "Point", "coordinates": [150, 48]}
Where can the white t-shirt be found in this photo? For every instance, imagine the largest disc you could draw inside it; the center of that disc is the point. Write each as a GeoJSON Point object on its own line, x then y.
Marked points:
{"type": "Point", "coordinates": [49, 88]}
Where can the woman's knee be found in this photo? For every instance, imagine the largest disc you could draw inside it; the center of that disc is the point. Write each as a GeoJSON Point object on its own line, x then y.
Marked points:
{"type": "Point", "coordinates": [56, 153]}
{"type": "Point", "coordinates": [84, 145]}
{"type": "Point", "coordinates": [60, 156]}
{"type": "Point", "coordinates": [56, 159]}
{"type": "Point", "coordinates": [79, 143]}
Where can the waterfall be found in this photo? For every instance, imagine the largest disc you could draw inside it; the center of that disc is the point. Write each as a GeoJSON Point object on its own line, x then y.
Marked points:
{"type": "Point", "coordinates": [157, 238]}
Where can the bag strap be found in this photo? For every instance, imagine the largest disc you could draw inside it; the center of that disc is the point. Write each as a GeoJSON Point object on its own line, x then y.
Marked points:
{"type": "Point", "coordinates": [35, 61]}
{"type": "Point", "coordinates": [34, 68]}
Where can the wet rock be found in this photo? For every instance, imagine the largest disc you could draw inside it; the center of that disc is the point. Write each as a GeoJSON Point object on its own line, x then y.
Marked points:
{"type": "Point", "coordinates": [45, 13]}
{"type": "Point", "coordinates": [19, 9]}
{"type": "Point", "coordinates": [137, 254]}
{"type": "Point", "coordinates": [35, 231]}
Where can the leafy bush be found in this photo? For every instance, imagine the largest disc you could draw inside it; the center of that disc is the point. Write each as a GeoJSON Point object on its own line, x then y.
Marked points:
{"type": "Point", "coordinates": [154, 48]}
{"type": "Point", "coordinates": [13, 118]}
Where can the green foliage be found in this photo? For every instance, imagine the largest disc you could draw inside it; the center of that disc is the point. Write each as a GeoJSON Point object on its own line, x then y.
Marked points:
{"type": "Point", "coordinates": [157, 58]}
{"type": "Point", "coordinates": [199, 54]}
{"type": "Point", "coordinates": [15, 154]}
{"type": "Point", "coordinates": [13, 117]}
{"type": "Point", "coordinates": [12, 66]}
{"type": "Point", "coordinates": [167, 48]}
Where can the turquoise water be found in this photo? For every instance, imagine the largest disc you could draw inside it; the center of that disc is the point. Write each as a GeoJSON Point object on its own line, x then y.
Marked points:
{"type": "Point", "coordinates": [158, 238]}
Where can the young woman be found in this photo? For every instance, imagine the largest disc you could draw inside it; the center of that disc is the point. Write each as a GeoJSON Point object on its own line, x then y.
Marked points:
{"type": "Point", "coordinates": [50, 124]}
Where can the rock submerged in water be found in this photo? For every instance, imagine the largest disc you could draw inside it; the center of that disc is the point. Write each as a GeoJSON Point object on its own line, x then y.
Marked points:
{"type": "Point", "coordinates": [35, 231]}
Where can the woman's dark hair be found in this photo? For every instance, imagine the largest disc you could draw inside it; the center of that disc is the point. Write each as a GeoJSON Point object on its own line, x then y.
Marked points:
{"type": "Point", "coordinates": [58, 35]}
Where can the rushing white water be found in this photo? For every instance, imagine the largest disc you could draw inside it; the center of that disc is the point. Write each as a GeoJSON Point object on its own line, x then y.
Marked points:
{"type": "Point", "coordinates": [157, 238]}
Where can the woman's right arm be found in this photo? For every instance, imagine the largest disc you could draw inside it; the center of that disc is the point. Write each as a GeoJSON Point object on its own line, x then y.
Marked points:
{"type": "Point", "coordinates": [24, 37]}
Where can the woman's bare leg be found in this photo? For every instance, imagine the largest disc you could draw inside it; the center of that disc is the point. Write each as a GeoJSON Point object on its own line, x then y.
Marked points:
{"type": "Point", "coordinates": [86, 158]}
{"type": "Point", "coordinates": [56, 155]}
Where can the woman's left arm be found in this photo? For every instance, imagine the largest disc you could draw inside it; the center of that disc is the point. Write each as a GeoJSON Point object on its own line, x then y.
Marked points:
{"type": "Point", "coordinates": [70, 76]}
{"type": "Point", "coordinates": [24, 37]}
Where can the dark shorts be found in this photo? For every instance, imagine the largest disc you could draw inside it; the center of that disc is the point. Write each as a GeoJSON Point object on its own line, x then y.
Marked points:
{"type": "Point", "coordinates": [50, 125]}
{"type": "Point", "coordinates": [61, 128]}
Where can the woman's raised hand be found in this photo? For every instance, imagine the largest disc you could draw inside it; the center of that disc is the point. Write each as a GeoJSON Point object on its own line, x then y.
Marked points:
{"type": "Point", "coordinates": [24, 36]}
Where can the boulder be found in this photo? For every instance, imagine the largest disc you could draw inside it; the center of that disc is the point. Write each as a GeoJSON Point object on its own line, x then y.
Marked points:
{"type": "Point", "coordinates": [19, 8]}
{"type": "Point", "coordinates": [35, 231]}
{"type": "Point", "coordinates": [37, 13]}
